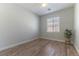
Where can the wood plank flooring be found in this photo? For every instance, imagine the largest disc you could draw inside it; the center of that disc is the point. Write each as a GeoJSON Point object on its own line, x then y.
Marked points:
{"type": "Point", "coordinates": [41, 47]}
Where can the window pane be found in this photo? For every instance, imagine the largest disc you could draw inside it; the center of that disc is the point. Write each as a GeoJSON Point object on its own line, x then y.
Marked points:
{"type": "Point", "coordinates": [53, 24]}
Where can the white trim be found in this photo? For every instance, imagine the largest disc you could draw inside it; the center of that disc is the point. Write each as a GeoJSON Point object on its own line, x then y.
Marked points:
{"type": "Point", "coordinates": [76, 49]}
{"type": "Point", "coordinates": [16, 44]}
{"type": "Point", "coordinates": [53, 39]}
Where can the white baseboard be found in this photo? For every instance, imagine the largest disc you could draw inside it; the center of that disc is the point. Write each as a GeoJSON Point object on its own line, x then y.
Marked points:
{"type": "Point", "coordinates": [53, 39]}
{"type": "Point", "coordinates": [76, 49]}
{"type": "Point", "coordinates": [19, 43]}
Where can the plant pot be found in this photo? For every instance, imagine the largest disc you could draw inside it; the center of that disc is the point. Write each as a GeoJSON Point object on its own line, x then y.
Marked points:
{"type": "Point", "coordinates": [68, 41]}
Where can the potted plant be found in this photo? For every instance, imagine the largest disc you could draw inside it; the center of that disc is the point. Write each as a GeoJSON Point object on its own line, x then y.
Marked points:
{"type": "Point", "coordinates": [68, 35]}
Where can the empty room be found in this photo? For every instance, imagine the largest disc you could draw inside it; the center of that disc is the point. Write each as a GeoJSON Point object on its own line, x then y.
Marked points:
{"type": "Point", "coordinates": [39, 29]}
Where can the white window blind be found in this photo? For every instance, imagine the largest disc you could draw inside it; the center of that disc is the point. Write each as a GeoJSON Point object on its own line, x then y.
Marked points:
{"type": "Point", "coordinates": [53, 24]}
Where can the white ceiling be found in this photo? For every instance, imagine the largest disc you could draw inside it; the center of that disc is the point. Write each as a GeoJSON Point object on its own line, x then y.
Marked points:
{"type": "Point", "coordinates": [36, 7]}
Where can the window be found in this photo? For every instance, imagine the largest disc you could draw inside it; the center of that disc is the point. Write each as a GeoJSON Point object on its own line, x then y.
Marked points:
{"type": "Point", "coordinates": [53, 24]}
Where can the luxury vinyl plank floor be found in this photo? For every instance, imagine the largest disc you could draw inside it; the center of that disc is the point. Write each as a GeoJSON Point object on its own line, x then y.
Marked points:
{"type": "Point", "coordinates": [41, 47]}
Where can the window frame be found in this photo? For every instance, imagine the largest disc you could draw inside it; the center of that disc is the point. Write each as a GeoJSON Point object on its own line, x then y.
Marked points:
{"type": "Point", "coordinates": [55, 22]}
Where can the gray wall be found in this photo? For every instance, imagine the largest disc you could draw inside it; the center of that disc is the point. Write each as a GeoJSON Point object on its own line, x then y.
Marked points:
{"type": "Point", "coordinates": [76, 28]}
{"type": "Point", "coordinates": [66, 22]}
{"type": "Point", "coordinates": [17, 25]}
